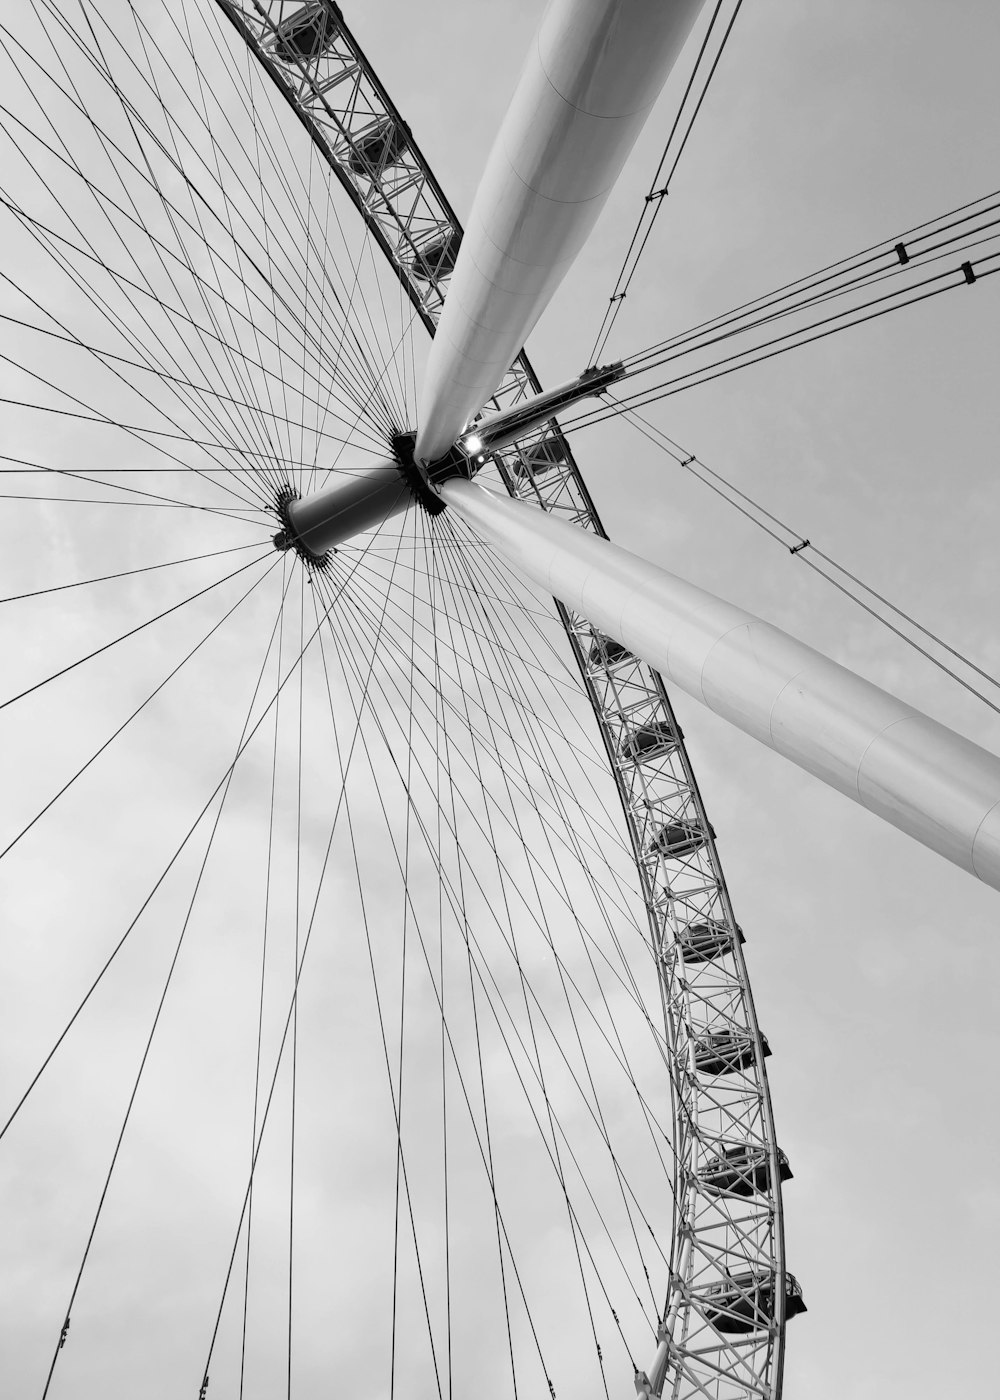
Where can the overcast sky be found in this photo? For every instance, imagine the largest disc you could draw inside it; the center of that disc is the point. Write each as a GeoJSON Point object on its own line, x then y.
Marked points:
{"type": "Point", "coordinates": [874, 963]}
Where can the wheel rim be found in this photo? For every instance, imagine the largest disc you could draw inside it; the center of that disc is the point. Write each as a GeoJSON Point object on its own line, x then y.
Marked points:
{"type": "Point", "coordinates": [657, 789]}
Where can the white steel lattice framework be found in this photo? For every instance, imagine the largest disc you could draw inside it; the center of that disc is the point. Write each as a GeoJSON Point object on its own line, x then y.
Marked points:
{"type": "Point", "coordinates": [722, 1324]}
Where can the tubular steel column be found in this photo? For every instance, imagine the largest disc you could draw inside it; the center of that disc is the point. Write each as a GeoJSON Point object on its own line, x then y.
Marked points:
{"type": "Point", "coordinates": [915, 773]}
{"type": "Point", "coordinates": [591, 76]}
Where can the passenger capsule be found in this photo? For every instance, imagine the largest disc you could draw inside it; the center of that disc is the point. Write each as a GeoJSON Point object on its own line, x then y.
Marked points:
{"type": "Point", "coordinates": [650, 741]}
{"type": "Point", "coordinates": [438, 257]}
{"type": "Point", "coordinates": [377, 148]}
{"type": "Point", "coordinates": [725, 1052]}
{"type": "Point", "coordinates": [704, 942]}
{"type": "Point", "coordinates": [744, 1302]}
{"type": "Point", "coordinates": [305, 34]}
{"type": "Point", "coordinates": [743, 1169]}
{"type": "Point", "coordinates": [679, 838]}
{"type": "Point", "coordinates": [607, 652]}
{"type": "Point", "coordinates": [540, 458]}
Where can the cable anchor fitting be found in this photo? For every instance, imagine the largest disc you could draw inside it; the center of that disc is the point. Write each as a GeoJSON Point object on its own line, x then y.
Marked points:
{"type": "Point", "coordinates": [64, 1334]}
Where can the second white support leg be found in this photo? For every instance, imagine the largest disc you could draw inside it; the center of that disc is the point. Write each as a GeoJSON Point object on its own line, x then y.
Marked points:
{"type": "Point", "coordinates": [915, 773]}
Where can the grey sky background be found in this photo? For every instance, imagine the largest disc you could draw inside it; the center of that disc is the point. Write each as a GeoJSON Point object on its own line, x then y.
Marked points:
{"type": "Point", "coordinates": [874, 964]}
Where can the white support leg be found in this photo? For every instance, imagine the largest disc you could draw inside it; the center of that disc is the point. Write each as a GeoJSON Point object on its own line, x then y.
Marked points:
{"type": "Point", "coordinates": [915, 773]}
{"type": "Point", "coordinates": [593, 72]}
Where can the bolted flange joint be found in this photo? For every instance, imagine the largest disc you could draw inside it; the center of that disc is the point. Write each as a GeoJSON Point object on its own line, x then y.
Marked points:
{"type": "Point", "coordinates": [423, 480]}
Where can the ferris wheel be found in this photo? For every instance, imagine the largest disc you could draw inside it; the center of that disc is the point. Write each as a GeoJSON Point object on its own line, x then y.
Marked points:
{"type": "Point", "coordinates": [397, 1026]}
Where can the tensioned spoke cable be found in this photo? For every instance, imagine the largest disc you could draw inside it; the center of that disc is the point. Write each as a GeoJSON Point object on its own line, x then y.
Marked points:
{"type": "Point", "coordinates": [349, 651]}
{"type": "Point", "coordinates": [133, 715]}
{"type": "Point", "coordinates": [321, 619]}
{"type": "Point", "coordinates": [162, 250]}
{"type": "Point", "coordinates": [257, 422]}
{"type": "Point", "coordinates": [660, 186]}
{"type": "Point", "coordinates": [137, 117]}
{"type": "Point", "coordinates": [345, 653]}
{"type": "Point", "coordinates": [103, 354]}
{"type": "Point", "coordinates": [147, 505]}
{"type": "Point", "coordinates": [505, 637]}
{"type": "Point", "coordinates": [126, 573]}
{"type": "Point", "coordinates": [352, 601]}
{"type": "Point", "coordinates": [466, 936]}
{"type": "Point", "coordinates": [99, 651]}
{"type": "Point", "coordinates": [874, 309]}
{"type": "Point", "coordinates": [753, 512]}
{"type": "Point", "coordinates": [163, 875]}
{"type": "Point", "coordinates": [70, 161]}
{"type": "Point", "coordinates": [102, 972]}
{"type": "Point", "coordinates": [536, 1052]}
{"type": "Point", "coordinates": [771, 309]}
{"type": "Point", "coordinates": [528, 852]}
{"type": "Point", "coordinates": [260, 187]}
{"type": "Point", "coordinates": [263, 968]}
{"type": "Point", "coordinates": [149, 497]}
{"type": "Point", "coordinates": [547, 763]}
{"type": "Point", "coordinates": [554, 762]}
{"type": "Point", "coordinates": [688, 344]}
{"type": "Point", "coordinates": [295, 994]}
{"type": "Point", "coordinates": [482, 738]}
{"type": "Point", "coordinates": [45, 235]}
{"type": "Point", "coordinates": [89, 185]}
{"type": "Point", "coordinates": [400, 1059]}
{"type": "Point", "coordinates": [257, 430]}
{"type": "Point", "coordinates": [628, 986]}
{"type": "Point", "coordinates": [585, 866]}
{"type": "Point", "coordinates": [515, 694]}
{"type": "Point", "coordinates": [155, 1024]}
{"type": "Point", "coordinates": [849, 271]}
{"type": "Point", "coordinates": [442, 756]}
{"type": "Point", "coordinates": [363, 352]}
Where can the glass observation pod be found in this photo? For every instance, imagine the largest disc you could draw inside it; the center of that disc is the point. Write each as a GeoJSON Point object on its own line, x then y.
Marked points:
{"type": "Point", "coordinates": [649, 741]}
{"type": "Point", "coordinates": [679, 838]}
{"type": "Point", "coordinates": [745, 1302]}
{"type": "Point", "coordinates": [540, 457]}
{"type": "Point", "coordinates": [437, 257]}
{"type": "Point", "coordinates": [607, 652]}
{"type": "Point", "coordinates": [725, 1052]}
{"type": "Point", "coordinates": [744, 1169]}
{"type": "Point", "coordinates": [377, 148]}
{"type": "Point", "coordinates": [305, 34]}
{"type": "Point", "coordinates": [704, 942]}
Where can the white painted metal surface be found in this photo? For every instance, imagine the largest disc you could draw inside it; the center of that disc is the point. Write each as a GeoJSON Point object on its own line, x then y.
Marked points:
{"type": "Point", "coordinates": [593, 72]}
{"type": "Point", "coordinates": [917, 774]}
{"type": "Point", "coordinates": [352, 504]}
